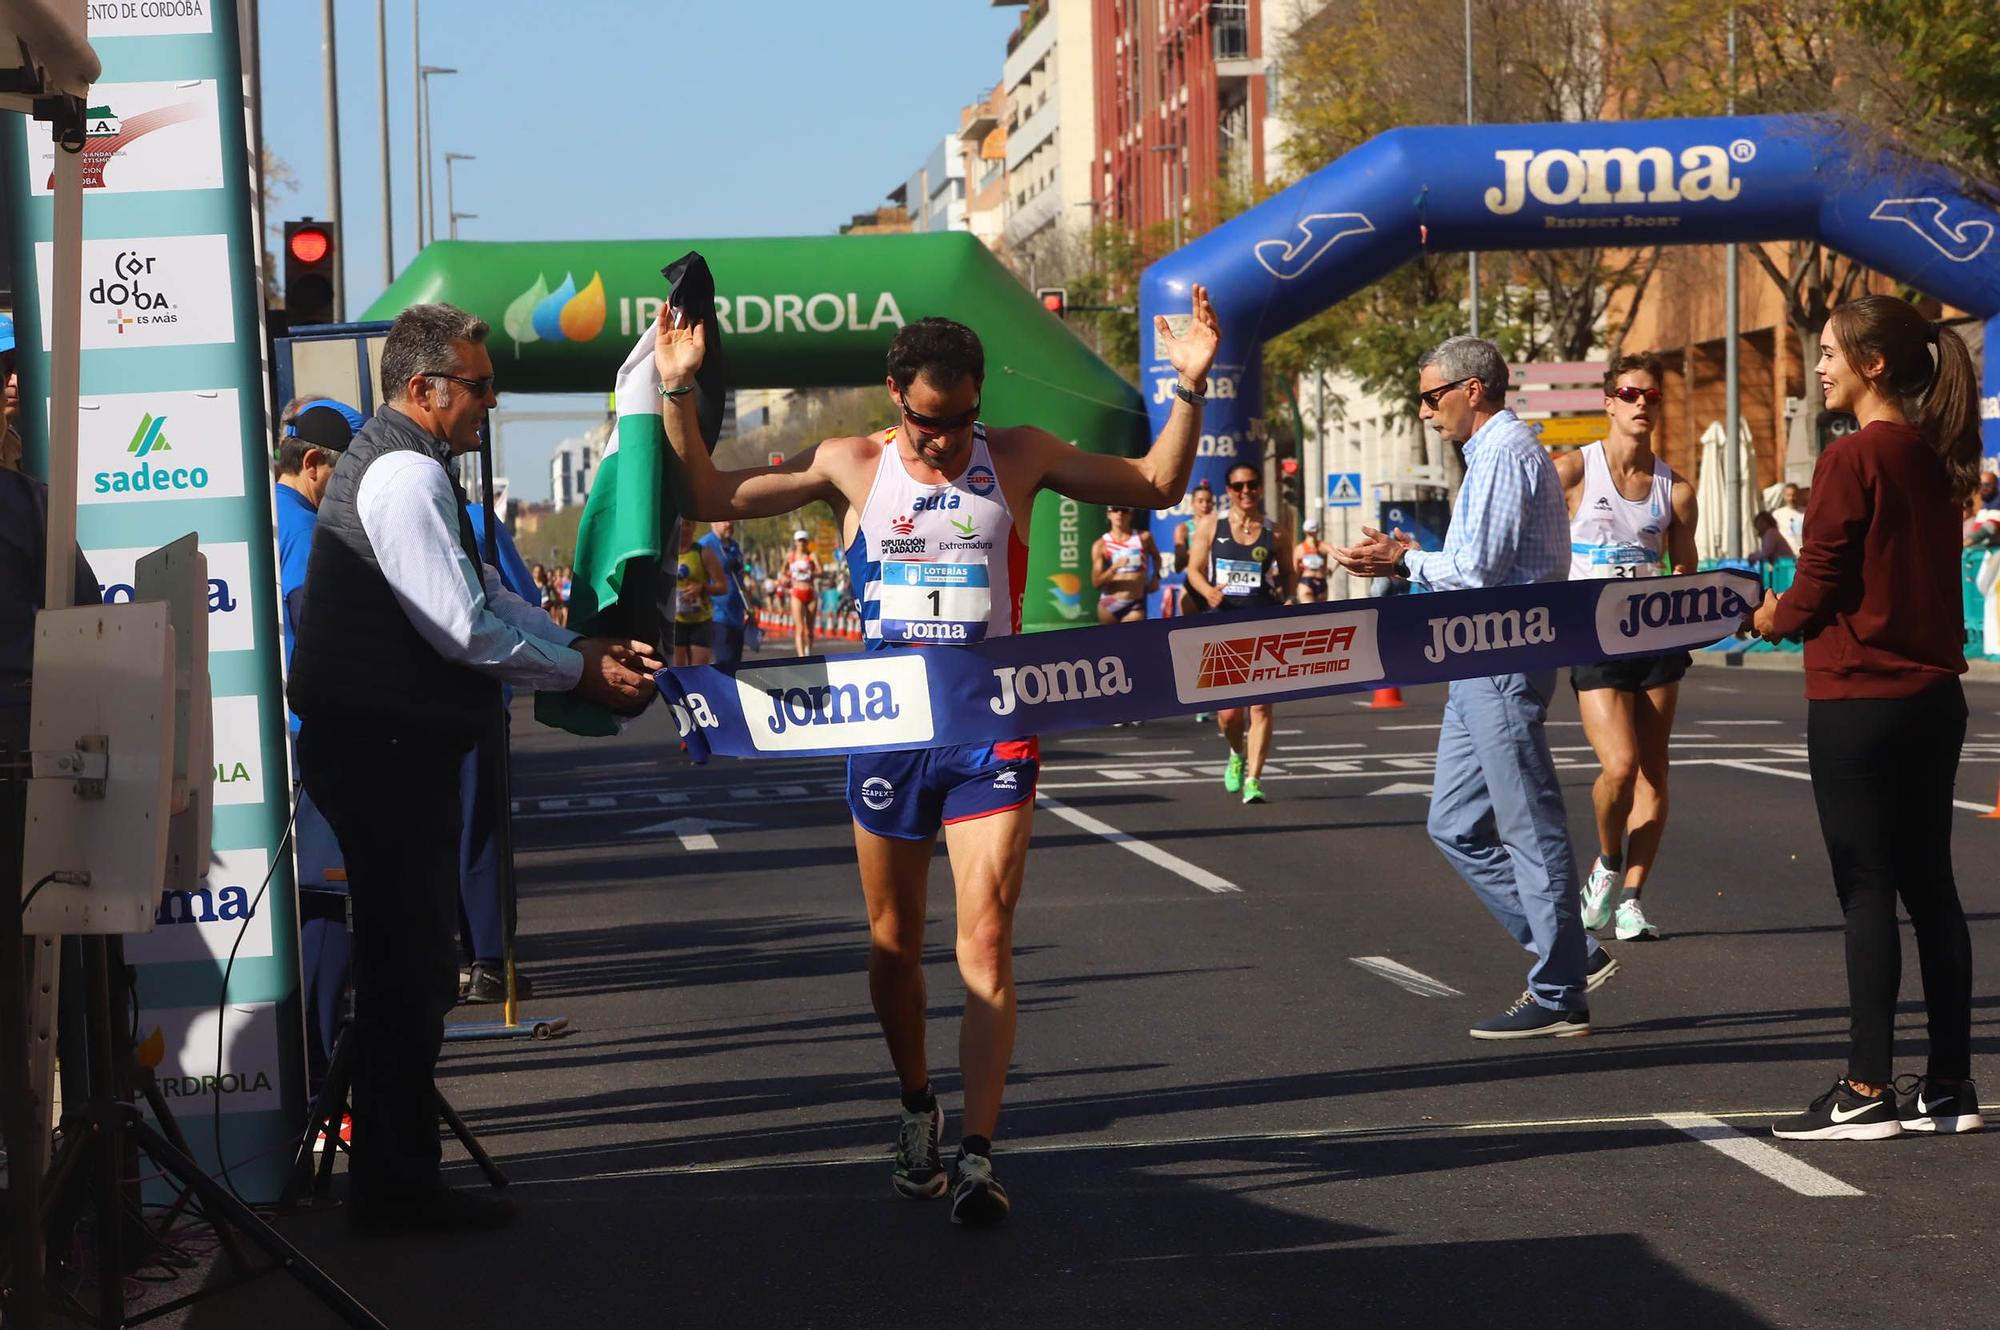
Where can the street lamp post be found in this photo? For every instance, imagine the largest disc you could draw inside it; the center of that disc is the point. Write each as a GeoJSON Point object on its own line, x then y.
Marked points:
{"type": "Point", "coordinates": [457, 217]}
{"type": "Point", "coordinates": [427, 138]}
{"type": "Point", "coordinates": [451, 212]}
{"type": "Point", "coordinates": [333, 208]}
{"type": "Point", "coordinates": [382, 96]}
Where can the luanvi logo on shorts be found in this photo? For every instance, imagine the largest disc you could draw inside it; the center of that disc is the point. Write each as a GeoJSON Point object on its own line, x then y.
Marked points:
{"type": "Point", "coordinates": [863, 703]}
{"type": "Point", "coordinates": [1461, 634]}
{"type": "Point", "coordinates": [1558, 176]}
{"type": "Point", "coordinates": [1259, 657]}
{"type": "Point", "coordinates": [1632, 619]}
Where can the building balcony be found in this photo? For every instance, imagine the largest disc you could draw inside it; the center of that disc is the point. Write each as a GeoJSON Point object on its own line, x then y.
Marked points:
{"type": "Point", "coordinates": [1042, 210]}
{"type": "Point", "coordinates": [1034, 48]}
{"type": "Point", "coordinates": [1036, 130]}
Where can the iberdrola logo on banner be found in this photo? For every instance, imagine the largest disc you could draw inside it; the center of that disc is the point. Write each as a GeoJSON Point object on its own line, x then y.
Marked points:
{"type": "Point", "coordinates": [562, 315]}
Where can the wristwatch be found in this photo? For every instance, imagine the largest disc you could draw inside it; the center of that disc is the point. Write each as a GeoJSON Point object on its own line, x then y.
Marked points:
{"type": "Point", "coordinates": [1402, 568]}
{"type": "Point", "coordinates": [1188, 395]}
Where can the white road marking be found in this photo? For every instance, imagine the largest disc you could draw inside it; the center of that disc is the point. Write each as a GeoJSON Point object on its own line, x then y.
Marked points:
{"type": "Point", "coordinates": [1319, 748]}
{"type": "Point", "coordinates": [1761, 769]}
{"type": "Point", "coordinates": [872, 1158]}
{"type": "Point", "coordinates": [693, 831]}
{"type": "Point", "coordinates": [1402, 976]}
{"type": "Point", "coordinates": [1402, 787]}
{"type": "Point", "coordinates": [1152, 854]}
{"type": "Point", "coordinates": [1431, 725]}
{"type": "Point", "coordinates": [1761, 1156]}
{"type": "Point", "coordinates": [1741, 722]}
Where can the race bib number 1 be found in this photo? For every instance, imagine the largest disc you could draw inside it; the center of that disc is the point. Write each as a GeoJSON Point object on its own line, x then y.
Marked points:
{"type": "Point", "coordinates": [934, 602]}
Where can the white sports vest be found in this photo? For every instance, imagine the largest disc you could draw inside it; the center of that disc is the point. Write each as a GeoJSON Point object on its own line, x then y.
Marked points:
{"type": "Point", "coordinates": [1613, 536]}
{"type": "Point", "coordinates": [937, 564]}
{"type": "Point", "coordinates": [1125, 557]}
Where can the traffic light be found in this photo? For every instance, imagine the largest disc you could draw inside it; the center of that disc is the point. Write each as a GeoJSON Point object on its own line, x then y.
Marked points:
{"type": "Point", "coordinates": [310, 253]}
{"type": "Point", "coordinates": [1292, 487]}
{"type": "Point", "coordinates": [1055, 300]}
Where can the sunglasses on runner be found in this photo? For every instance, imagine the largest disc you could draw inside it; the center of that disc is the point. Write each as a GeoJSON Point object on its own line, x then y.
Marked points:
{"type": "Point", "coordinates": [940, 424]}
{"type": "Point", "coordinates": [1436, 395]}
{"type": "Point", "coordinates": [1627, 393]}
{"type": "Point", "coordinates": [1243, 486]}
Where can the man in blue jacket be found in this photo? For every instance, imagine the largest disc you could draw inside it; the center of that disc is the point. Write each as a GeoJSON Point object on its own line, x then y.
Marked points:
{"type": "Point", "coordinates": [729, 610]}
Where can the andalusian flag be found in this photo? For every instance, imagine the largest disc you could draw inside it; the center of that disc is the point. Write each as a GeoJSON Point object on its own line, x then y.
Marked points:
{"type": "Point", "coordinates": [623, 584]}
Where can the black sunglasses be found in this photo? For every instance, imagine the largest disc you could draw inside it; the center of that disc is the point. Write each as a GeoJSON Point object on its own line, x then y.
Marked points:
{"type": "Point", "coordinates": [940, 424]}
{"type": "Point", "coordinates": [1628, 393]}
{"type": "Point", "coordinates": [480, 387]}
{"type": "Point", "coordinates": [1242, 485]}
{"type": "Point", "coordinates": [1436, 395]}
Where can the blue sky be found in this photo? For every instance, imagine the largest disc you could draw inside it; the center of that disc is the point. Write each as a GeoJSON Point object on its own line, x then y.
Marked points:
{"type": "Point", "coordinates": [636, 119]}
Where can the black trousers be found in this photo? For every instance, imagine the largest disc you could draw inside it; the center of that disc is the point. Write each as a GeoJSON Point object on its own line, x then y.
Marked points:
{"type": "Point", "coordinates": [393, 805]}
{"type": "Point", "coordinates": [1883, 771]}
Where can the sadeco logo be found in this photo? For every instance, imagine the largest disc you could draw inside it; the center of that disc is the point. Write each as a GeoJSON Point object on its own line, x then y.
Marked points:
{"type": "Point", "coordinates": [1242, 658]}
{"type": "Point", "coordinates": [837, 704]}
{"type": "Point", "coordinates": [562, 315]}
{"type": "Point", "coordinates": [1692, 612]}
{"type": "Point", "coordinates": [150, 438]}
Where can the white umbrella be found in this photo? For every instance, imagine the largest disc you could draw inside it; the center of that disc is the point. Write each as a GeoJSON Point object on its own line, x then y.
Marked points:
{"type": "Point", "coordinates": [1712, 492]}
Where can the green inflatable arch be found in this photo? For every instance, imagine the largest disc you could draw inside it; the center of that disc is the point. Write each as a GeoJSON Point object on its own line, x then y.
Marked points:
{"type": "Point", "coordinates": [810, 312]}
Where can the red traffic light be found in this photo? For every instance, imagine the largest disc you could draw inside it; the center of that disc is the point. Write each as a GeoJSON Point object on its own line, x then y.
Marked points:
{"type": "Point", "coordinates": [1290, 466]}
{"type": "Point", "coordinates": [1055, 299]}
{"type": "Point", "coordinates": [310, 246]}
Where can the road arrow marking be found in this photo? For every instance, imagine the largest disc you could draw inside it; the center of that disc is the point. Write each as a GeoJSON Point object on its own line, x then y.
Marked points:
{"type": "Point", "coordinates": [693, 831]}
{"type": "Point", "coordinates": [1402, 976]}
{"type": "Point", "coordinates": [1401, 787]}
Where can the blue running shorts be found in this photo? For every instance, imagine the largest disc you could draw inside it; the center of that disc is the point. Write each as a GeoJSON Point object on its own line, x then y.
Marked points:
{"type": "Point", "coordinates": [910, 794]}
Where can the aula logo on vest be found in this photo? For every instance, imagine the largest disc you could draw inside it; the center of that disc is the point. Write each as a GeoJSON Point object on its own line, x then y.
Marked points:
{"type": "Point", "coordinates": [1631, 618]}
{"type": "Point", "coordinates": [868, 703]}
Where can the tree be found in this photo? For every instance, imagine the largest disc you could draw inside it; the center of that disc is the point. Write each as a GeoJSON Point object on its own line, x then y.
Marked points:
{"type": "Point", "coordinates": [1348, 73]}
{"type": "Point", "coordinates": [1917, 76]}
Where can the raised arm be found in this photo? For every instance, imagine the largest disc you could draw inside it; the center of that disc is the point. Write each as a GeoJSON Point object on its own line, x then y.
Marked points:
{"type": "Point", "coordinates": [703, 491]}
{"type": "Point", "coordinates": [1158, 479]}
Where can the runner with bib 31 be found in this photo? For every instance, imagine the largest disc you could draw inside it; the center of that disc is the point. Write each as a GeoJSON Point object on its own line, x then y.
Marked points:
{"type": "Point", "coordinates": [932, 514]}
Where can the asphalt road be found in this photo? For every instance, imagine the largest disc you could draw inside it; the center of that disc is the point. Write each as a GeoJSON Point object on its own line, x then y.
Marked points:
{"type": "Point", "coordinates": [1218, 1114]}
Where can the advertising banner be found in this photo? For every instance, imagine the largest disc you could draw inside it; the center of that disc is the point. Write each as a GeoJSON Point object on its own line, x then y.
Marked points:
{"type": "Point", "coordinates": [1016, 687]}
{"type": "Point", "coordinates": [171, 439]}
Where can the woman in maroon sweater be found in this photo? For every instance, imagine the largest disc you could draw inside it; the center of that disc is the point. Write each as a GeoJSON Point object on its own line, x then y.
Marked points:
{"type": "Point", "coordinates": [1877, 600]}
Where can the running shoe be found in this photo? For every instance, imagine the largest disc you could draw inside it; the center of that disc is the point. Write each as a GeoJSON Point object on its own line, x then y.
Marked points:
{"type": "Point", "coordinates": [919, 1173]}
{"type": "Point", "coordinates": [1939, 1111]}
{"type": "Point", "coordinates": [1843, 1114]}
{"type": "Point", "coordinates": [1232, 775]}
{"type": "Point", "coordinates": [1632, 924]}
{"type": "Point", "coordinates": [977, 1198]}
{"type": "Point", "coordinates": [1599, 970]}
{"type": "Point", "coordinates": [1529, 1019]}
{"type": "Point", "coordinates": [1253, 790]}
{"type": "Point", "coordinates": [1597, 892]}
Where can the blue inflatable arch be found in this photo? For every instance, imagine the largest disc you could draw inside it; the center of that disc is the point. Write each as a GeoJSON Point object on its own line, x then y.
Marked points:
{"type": "Point", "coordinates": [1547, 186]}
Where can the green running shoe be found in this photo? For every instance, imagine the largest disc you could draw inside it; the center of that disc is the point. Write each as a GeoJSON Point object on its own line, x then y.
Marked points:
{"type": "Point", "coordinates": [1253, 791]}
{"type": "Point", "coordinates": [1232, 775]}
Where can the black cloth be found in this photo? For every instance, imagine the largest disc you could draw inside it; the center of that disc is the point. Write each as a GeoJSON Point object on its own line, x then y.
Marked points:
{"type": "Point", "coordinates": [24, 539]}
{"type": "Point", "coordinates": [359, 662]}
{"type": "Point", "coordinates": [1638, 675]}
{"type": "Point", "coordinates": [1262, 552]}
{"type": "Point", "coordinates": [1883, 770]}
{"type": "Point", "coordinates": [393, 802]}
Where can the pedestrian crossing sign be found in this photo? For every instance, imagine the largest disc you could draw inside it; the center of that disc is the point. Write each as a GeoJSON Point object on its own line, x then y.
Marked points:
{"type": "Point", "coordinates": [1343, 489]}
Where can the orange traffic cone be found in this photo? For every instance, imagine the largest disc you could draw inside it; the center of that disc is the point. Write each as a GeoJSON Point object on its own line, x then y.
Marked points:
{"type": "Point", "coordinates": [1387, 699]}
{"type": "Point", "coordinates": [1994, 815]}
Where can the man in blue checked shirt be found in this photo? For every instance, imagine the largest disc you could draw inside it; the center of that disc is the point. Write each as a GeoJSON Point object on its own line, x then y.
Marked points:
{"type": "Point", "coordinates": [1496, 808]}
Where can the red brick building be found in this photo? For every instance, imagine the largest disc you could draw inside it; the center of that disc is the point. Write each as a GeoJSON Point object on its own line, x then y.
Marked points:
{"type": "Point", "coordinates": [1180, 106]}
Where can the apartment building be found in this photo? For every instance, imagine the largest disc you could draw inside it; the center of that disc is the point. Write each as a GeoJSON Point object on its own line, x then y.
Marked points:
{"type": "Point", "coordinates": [1181, 102]}
{"type": "Point", "coordinates": [1051, 124]}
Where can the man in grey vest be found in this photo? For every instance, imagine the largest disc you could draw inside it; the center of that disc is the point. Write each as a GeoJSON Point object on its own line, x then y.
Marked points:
{"type": "Point", "coordinates": [404, 640]}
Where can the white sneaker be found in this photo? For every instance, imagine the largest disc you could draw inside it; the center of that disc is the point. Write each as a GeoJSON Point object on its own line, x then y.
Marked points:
{"type": "Point", "coordinates": [1633, 926]}
{"type": "Point", "coordinates": [1597, 894]}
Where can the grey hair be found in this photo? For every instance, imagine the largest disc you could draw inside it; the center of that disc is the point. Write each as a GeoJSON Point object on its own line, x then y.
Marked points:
{"type": "Point", "coordinates": [421, 341]}
{"type": "Point", "coordinates": [1470, 358]}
